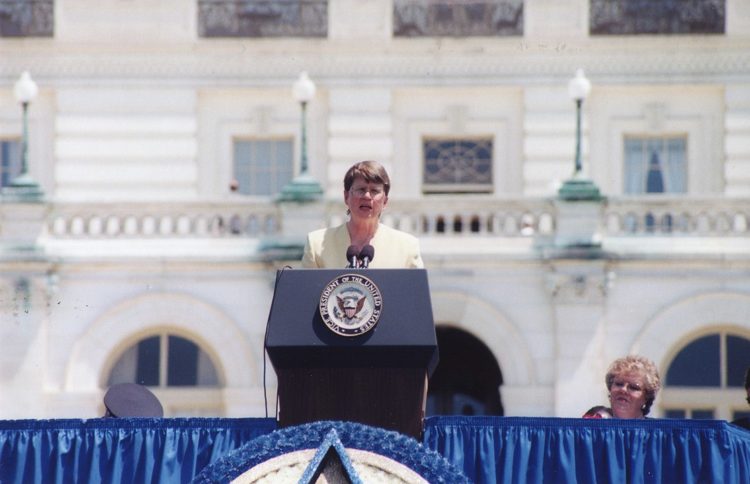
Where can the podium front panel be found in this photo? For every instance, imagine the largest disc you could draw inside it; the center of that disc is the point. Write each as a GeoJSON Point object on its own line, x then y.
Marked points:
{"type": "Point", "coordinates": [404, 337]}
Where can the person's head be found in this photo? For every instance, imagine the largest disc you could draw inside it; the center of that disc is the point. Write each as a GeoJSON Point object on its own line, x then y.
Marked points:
{"type": "Point", "coordinates": [370, 172]}
{"type": "Point", "coordinates": [632, 382]}
{"type": "Point", "coordinates": [131, 400]}
{"type": "Point", "coordinates": [598, 411]}
{"type": "Point", "coordinates": [366, 188]}
{"type": "Point", "coordinates": [747, 383]}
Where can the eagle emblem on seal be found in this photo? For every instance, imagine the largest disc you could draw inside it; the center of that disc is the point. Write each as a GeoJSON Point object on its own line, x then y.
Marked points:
{"type": "Point", "coordinates": [350, 305]}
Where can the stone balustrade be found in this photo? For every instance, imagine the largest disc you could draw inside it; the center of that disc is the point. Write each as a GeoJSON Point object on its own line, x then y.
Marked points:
{"type": "Point", "coordinates": [677, 216]}
{"type": "Point", "coordinates": [162, 220]}
{"type": "Point", "coordinates": [472, 216]}
{"type": "Point", "coordinates": [448, 217]}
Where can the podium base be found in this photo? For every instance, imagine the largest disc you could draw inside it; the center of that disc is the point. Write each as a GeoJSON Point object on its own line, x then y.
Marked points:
{"type": "Point", "coordinates": [389, 398]}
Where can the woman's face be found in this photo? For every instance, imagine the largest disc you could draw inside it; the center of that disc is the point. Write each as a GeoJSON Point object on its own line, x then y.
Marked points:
{"type": "Point", "coordinates": [627, 395]}
{"type": "Point", "coordinates": [365, 200]}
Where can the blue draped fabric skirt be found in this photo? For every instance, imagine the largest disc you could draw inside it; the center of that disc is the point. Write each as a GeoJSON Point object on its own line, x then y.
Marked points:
{"type": "Point", "coordinates": [486, 449]}
{"type": "Point", "coordinates": [552, 450]}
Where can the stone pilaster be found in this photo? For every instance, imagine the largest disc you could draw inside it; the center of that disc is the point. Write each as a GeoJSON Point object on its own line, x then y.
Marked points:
{"type": "Point", "coordinates": [359, 128]}
{"type": "Point", "coordinates": [579, 291]}
{"type": "Point", "coordinates": [737, 140]}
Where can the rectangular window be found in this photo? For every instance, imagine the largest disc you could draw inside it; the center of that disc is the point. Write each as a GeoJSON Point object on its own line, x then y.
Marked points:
{"type": "Point", "coordinates": [10, 161]}
{"type": "Point", "coordinates": [263, 167]}
{"type": "Point", "coordinates": [655, 165]}
{"type": "Point", "coordinates": [27, 18]}
{"type": "Point", "coordinates": [633, 17]}
{"type": "Point", "coordinates": [263, 18]}
{"type": "Point", "coordinates": [691, 413]}
{"type": "Point", "coordinates": [702, 414]}
{"type": "Point", "coordinates": [675, 413]}
{"type": "Point", "coordinates": [456, 165]}
{"type": "Point", "coordinates": [457, 18]}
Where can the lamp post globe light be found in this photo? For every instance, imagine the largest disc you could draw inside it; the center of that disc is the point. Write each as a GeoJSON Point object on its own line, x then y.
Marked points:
{"type": "Point", "coordinates": [578, 89]}
{"type": "Point", "coordinates": [302, 187]}
{"type": "Point", "coordinates": [23, 186]}
{"type": "Point", "coordinates": [303, 92]}
{"type": "Point", "coordinates": [577, 188]}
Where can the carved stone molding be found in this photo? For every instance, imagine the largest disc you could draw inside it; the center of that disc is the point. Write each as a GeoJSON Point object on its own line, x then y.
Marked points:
{"type": "Point", "coordinates": [584, 283]}
{"type": "Point", "coordinates": [510, 62]}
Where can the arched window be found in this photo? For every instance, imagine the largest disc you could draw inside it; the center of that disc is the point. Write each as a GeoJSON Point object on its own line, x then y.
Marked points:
{"type": "Point", "coordinates": [705, 379]}
{"type": "Point", "coordinates": [178, 371]}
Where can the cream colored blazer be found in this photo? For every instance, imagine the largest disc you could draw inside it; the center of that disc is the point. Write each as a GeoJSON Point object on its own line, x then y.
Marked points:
{"type": "Point", "coordinates": [326, 249]}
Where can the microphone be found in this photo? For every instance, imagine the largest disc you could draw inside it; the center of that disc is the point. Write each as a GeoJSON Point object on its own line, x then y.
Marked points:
{"type": "Point", "coordinates": [351, 256]}
{"type": "Point", "coordinates": [366, 255]}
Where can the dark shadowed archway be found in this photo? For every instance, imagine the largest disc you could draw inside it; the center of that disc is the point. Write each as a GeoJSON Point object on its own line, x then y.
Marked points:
{"type": "Point", "coordinates": [467, 379]}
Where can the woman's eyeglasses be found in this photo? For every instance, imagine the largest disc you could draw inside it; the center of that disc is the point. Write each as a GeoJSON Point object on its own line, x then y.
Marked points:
{"type": "Point", "coordinates": [362, 191]}
{"type": "Point", "coordinates": [630, 387]}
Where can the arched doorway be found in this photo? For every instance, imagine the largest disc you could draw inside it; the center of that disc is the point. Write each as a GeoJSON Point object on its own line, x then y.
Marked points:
{"type": "Point", "coordinates": [467, 379]}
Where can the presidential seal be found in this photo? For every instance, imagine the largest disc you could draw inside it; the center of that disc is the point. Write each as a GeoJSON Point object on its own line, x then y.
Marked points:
{"type": "Point", "coordinates": [350, 305]}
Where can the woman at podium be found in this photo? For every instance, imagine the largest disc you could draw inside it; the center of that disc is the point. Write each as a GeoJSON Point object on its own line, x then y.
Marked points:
{"type": "Point", "coordinates": [363, 241]}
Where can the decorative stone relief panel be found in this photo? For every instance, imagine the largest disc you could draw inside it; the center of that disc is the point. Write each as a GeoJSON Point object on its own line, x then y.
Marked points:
{"type": "Point", "coordinates": [425, 18]}
{"type": "Point", "coordinates": [632, 17]}
{"type": "Point", "coordinates": [27, 18]}
{"type": "Point", "coordinates": [263, 18]}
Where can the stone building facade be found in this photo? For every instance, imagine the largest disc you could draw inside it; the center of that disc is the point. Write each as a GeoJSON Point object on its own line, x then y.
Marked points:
{"type": "Point", "coordinates": [155, 247]}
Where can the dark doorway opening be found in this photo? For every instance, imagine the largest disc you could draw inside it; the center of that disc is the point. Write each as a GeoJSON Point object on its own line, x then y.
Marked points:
{"type": "Point", "coordinates": [467, 379]}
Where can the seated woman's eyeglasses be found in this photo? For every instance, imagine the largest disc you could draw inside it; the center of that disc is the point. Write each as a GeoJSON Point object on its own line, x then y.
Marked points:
{"type": "Point", "coordinates": [630, 387]}
{"type": "Point", "coordinates": [361, 191]}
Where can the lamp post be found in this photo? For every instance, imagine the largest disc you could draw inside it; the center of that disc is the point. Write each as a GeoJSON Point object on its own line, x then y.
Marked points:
{"type": "Point", "coordinates": [23, 186]}
{"type": "Point", "coordinates": [303, 92]}
{"type": "Point", "coordinates": [302, 187]}
{"type": "Point", "coordinates": [578, 89]}
{"type": "Point", "coordinates": [577, 188]}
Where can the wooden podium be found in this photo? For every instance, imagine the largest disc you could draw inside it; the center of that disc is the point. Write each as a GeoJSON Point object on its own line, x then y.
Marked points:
{"type": "Point", "coordinates": [378, 378]}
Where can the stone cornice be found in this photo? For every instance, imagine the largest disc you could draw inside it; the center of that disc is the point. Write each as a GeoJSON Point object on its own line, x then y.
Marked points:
{"type": "Point", "coordinates": [396, 62]}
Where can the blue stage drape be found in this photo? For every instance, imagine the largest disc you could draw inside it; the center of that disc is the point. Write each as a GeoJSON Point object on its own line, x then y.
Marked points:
{"type": "Point", "coordinates": [486, 449]}
{"type": "Point", "coordinates": [119, 450]}
{"type": "Point", "coordinates": [551, 450]}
